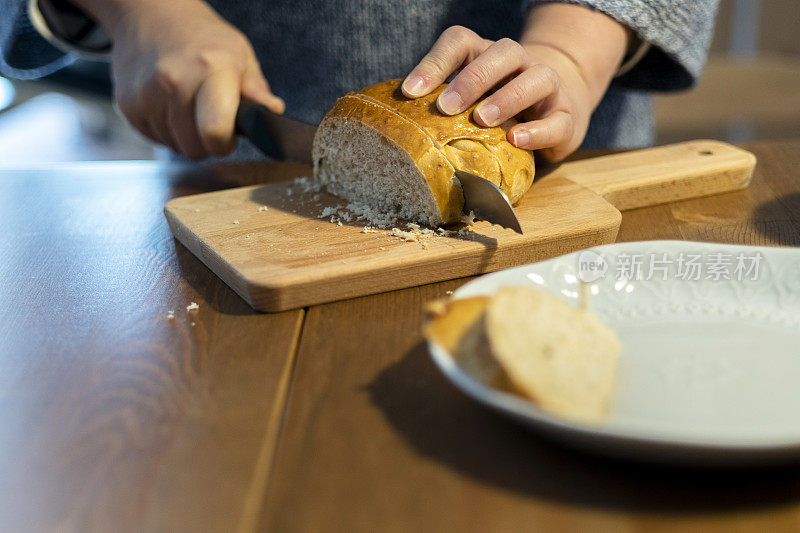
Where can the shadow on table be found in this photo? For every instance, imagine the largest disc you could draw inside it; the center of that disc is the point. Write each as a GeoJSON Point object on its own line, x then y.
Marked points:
{"type": "Point", "coordinates": [443, 424]}
{"type": "Point", "coordinates": [213, 291]}
{"type": "Point", "coordinates": [779, 220]}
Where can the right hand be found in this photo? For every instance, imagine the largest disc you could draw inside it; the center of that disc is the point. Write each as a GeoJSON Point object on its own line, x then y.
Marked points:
{"type": "Point", "coordinates": [179, 71]}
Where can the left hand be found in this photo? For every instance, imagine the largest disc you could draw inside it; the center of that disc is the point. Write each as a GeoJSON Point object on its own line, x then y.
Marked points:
{"type": "Point", "coordinates": [539, 84]}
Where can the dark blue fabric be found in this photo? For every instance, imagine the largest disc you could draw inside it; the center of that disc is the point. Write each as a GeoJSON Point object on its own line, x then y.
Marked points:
{"type": "Point", "coordinates": [315, 51]}
{"type": "Point", "coordinates": [25, 53]}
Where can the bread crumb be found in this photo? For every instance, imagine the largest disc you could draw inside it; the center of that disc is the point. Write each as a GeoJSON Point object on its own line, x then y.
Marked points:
{"type": "Point", "coordinates": [469, 219]}
{"type": "Point", "coordinates": [414, 233]}
{"type": "Point", "coordinates": [191, 324]}
{"type": "Point", "coordinates": [170, 315]}
{"type": "Point", "coordinates": [197, 210]}
{"type": "Point", "coordinates": [307, 184]}
{"type": "Point", "coordinates": [236, 221]}
{"type": "Point", "coordinates": [247, 236]}
{"type": "Point", "coordinates": [376, 222]}
{"type": "Point", "coordinates": [382, 248]}
{"type": "Point", "coordinates": [449, 293]}
{"type": "Point", "coordinates": [329, 211]}
{"type": "Point", "coordinates": [361, 212]}
{"type": "Point", "coordinates": [262, 208]}
{"type": "Point", "coordinates": [192, 307]}
{"type": "Point", "coordinates": [407, 236]}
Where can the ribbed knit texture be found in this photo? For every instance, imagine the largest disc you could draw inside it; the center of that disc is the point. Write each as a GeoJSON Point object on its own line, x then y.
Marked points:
{"type": "Point", "coordinates": [680, 31]}
{"type": "Point", "coordinates": [312, 52]}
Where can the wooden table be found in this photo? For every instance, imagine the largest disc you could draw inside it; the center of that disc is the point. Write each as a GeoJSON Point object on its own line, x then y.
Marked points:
{"type": "Point", "coordinates": [115, 418]}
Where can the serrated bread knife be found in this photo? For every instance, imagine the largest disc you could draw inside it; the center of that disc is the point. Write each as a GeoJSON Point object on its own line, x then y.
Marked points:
{"type": "Point", "coordinates": [283, 138]}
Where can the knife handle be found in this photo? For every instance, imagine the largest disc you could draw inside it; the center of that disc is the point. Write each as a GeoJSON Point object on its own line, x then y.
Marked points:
{"type": "Point", "coordinates": [252, 124]}
{"type": "Point", "coordinates": [652, 176]}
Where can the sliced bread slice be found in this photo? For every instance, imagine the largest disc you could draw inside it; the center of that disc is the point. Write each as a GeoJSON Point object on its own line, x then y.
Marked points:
{"type": "Point", "coordinates": [366, 153]}
{"type": "Point", "coordinates": [561, 357]}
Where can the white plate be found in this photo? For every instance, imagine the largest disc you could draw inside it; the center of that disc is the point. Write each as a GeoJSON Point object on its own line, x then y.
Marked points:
{"type": "Point", "coordinates": [710, 368]}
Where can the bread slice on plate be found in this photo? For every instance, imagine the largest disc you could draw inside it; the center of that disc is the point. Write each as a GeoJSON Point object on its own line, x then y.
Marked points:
{"type": "Point", "coordinates": [561, 357]}
{"type": "Point", "coordinates": [459, 329]}
{"type": "Point", "coordinates": [397, 155]}
{"type": "Point", "coordinates": [534, 344]}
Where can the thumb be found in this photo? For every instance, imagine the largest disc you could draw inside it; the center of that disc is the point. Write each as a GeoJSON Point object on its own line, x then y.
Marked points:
{"type": "Point", "coordinates": [256, 88]}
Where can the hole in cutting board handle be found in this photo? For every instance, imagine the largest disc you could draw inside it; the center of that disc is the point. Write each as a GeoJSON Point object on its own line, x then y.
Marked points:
{"type": "Point", "coordinates": [706, 152]}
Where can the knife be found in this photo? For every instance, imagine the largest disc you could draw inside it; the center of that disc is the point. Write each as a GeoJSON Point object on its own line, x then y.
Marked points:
{"type": "Point", "coordinates": [487, 201]}
{"type": "Point", "coordinates": [277, 136]}
{"type": "Point", "coordinates": [283, 138]}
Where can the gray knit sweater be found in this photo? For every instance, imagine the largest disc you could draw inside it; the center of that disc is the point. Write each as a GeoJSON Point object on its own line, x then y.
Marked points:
{"type": "Point", "coordinates": [312, 52]}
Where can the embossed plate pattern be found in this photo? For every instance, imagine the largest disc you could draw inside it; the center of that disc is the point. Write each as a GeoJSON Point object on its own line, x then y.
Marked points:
{"type": "Point", "coordinates": [709, 372]}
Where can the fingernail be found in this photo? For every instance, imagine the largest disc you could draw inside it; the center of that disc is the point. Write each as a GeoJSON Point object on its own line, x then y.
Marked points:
{"type": "Point", "coordinates": [414, 85]}
{"type": "Point", "coordinates": [521, 138]}
{"type": "Point", "coordinates": [450, 102]}
{"type": "Point", "coordinates": [488, 113]}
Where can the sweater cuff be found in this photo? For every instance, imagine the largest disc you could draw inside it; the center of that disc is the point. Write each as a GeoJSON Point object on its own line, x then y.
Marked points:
{"type": "Point", "coordinates": [679, 33]}
{"type": "Point", "coordinates": [638, 49]}
{"type": "Point", "coordinates": [69, 29]}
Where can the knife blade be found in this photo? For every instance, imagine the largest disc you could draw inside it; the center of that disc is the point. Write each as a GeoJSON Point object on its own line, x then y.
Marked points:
{"type": "Point", "coordinates": [283, 138]}
{"type": "Point", "coordinates": [277, 136]}
{"type": "Point", "coordinates": [487, 201]}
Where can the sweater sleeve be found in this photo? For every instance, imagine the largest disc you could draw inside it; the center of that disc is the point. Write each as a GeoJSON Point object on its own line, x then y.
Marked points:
{"type": "Point", "coordinates": [24, 52]}
{"type": "Point", "coordinates": [679, 33]}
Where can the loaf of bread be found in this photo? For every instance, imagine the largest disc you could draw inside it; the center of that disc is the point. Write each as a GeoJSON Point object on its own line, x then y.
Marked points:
{"type": "Point", "coordinates": [534, 344]}
{"type": "Point", "coordinates": [398, 155]}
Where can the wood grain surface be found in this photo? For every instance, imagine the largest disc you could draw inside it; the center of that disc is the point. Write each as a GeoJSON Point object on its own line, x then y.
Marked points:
{"type": "Point", "coordinates": [376, 439]}
{"type": "Point", "coordinates": [268, 243]}
{"type": "Point", "coordinates": [113, 416]}
{"type": "Point", "coordinates": [286, 257]}
{"type": "Point", "coordinates": [652, 176]}
{"type": "Point", "coordinates": [332, 418]}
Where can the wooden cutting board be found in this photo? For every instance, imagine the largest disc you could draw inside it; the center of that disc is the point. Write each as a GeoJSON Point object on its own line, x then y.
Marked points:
{"type": "Point", "coordinates": [268, 243]}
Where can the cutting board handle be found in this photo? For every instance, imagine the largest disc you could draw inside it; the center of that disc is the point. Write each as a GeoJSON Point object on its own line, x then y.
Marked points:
{"type": "Point", "coordinates": [641, 178]}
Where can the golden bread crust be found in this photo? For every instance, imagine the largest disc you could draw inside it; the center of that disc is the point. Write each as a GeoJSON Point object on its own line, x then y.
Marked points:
{"type": "Point", "coordinates": [438, 143]}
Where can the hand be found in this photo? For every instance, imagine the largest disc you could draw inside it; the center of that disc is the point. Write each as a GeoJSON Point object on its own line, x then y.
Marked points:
{"type": "Point", "coordinates": [551, 82]}
{"type": "Point", "coordinates": [553, 106]}
{"type": "Point", "coordinates": [179, 70]}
